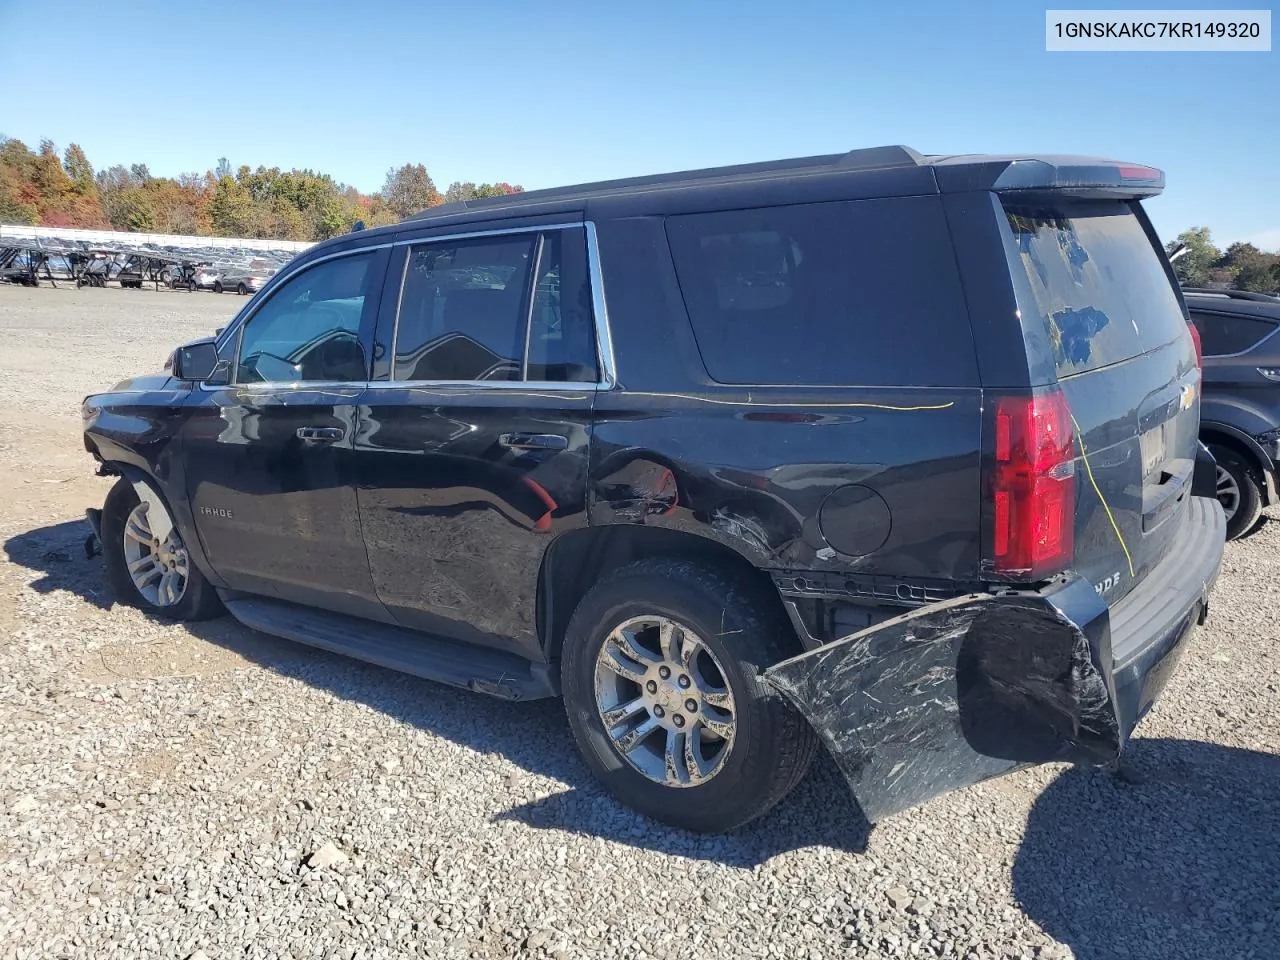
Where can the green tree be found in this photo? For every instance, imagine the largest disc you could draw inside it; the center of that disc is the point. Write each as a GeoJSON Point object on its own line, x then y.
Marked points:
{"type": "Point", "coordinates": [231, 210]}
{"type": "Point", "coordinates": [79, 170]}
{"type": "Point", "coordinates": [1193, 267]}
{"type": "Point", "coordinates": [409, 190]}
{"type": "Point", "coordinates": [1251, 268]}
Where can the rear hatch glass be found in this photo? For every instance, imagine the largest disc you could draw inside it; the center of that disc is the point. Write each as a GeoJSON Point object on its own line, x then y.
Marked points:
{"type": "Point", "coordinates": [1094, 292]}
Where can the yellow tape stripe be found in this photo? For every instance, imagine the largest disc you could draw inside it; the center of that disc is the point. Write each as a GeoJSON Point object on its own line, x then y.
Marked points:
{"type": "Point", "coordinates": [1084, 455]}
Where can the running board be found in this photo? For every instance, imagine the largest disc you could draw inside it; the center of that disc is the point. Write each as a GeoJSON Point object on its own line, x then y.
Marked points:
{"type": "Point", "coordinates": [468, 666]}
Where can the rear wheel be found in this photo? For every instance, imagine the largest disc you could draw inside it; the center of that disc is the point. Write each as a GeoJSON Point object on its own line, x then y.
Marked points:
{"type": "Point", "coordinates": [1238, 490]}
{"type": "Point", "coordinates": [661, 676]}
{"type": "Point", "coordinates": [148, 563]}
{"type": "Point", "coordinates": [217, 287]}
{"type": "Point", "coordinates": [242, 290]}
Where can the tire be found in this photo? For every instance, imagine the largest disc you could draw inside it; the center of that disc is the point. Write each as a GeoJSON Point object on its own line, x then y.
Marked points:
{"type": "Point", "coordinates": [771, 745]}
{"type": "Point", "coordinates": [1238, 488]}
{"type": "Point", "coordinates": [217, 286]}
{"type": "Point", "coordinates": [242, 290]}
{"type": "Point", "coordinates": [198, 599]}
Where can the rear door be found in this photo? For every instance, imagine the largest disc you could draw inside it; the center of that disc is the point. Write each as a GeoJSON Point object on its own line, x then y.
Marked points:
{"type": "Point", "coordinates": [1101, 316]}
{"type": "Point", "coordinates": [472, 453]}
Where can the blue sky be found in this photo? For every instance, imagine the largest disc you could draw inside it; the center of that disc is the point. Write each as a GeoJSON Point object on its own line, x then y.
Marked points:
{"type": "Point", "coordinates": [551, 93]}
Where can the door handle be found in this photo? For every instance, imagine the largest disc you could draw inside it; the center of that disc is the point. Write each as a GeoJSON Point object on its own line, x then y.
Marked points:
{"type": "Point", "coordinates": [320, 434]}
{"type": "Point", "coordinates": [534, 441]}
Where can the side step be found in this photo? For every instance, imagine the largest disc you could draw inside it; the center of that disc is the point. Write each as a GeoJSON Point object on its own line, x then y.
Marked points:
{"type": "Point", "coordinates": [471, 667]}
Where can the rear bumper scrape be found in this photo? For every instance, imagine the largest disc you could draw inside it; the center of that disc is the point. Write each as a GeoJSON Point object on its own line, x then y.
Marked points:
{"type": "Point", "coordinates": [958, 692]}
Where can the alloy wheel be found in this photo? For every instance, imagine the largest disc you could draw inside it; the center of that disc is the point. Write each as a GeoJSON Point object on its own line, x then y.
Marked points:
{"type": "Point", "coordinates": [664, 701]}
{"type": "Point", "coordinates": [1228, 492]}
{"type": "Point", "coordinates": [158, 567]}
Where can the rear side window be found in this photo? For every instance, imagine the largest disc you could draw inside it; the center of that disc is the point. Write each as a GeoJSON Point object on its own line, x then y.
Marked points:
{"type": "Point", "coordinates": [1223, 334]}
{"type": "Point", "coordinates": [852, 292]}
{"type": "Point", "coordinates": [1091, 273]}
{"type": "Point", "coordinates": [468, 311]}
{"type": "Point", "coordinates": [462, 313]}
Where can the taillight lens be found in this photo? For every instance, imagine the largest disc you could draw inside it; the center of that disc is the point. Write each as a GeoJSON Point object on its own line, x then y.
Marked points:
{"type": "Point", "coordinates": [1033, 486]}
{"type": "Point", "coordinates": [1195, 338]}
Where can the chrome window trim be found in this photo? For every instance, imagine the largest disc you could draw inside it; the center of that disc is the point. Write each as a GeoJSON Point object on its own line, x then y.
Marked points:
{"type": "Point", "coordinates": [587, 386]}
{"type": "Point", "coordinates": [533, 296]}
{"type": "Point", "coordinates": [608, 372]}
{"type": "Point", "coordinates": [608, 375]}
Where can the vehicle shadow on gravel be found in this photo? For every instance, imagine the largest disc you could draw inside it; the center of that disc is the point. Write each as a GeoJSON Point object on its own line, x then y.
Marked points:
{"type": "Point", "coordinates": [534, 736]}
{"type": "Point", "coordinates": [58, 553]}
{"type": "Point", "coordinates": [1183, 863]}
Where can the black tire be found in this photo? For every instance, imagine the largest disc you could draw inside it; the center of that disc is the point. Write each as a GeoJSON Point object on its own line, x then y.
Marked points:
{"type": "Point", "coordinates": [1244, 473]}
{"type": "Point", "coordinates": [217, 286]}
{"type": "Point", "coordinates": [242, 290]}
{"type": "Point", "coordinates": [199, 601]}
{"type": "Point", "coordinates": [772, 746]}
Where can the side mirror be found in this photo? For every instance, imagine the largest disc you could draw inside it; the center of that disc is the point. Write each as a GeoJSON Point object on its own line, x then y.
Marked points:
{"type": "Point", "coordinates": [195, 361]}
{"type": "Point", "coordinates": [218, 332]}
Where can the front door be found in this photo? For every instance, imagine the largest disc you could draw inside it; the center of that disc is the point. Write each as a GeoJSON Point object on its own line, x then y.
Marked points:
{"type": "Point", "coordinates": [269, 455]}
{"type": "Point", "coordinates": [473, 454]}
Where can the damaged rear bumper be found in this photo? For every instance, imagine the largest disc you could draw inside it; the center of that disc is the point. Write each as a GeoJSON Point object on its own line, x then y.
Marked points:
{"type": "Point", "coordinates": [975, 687]}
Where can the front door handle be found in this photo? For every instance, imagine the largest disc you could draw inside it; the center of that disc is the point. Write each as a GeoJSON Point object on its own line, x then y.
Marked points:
{"type": "Point", "coordinates": [534, 441]}
{"type": "Point", "coordinates": [320, 434]}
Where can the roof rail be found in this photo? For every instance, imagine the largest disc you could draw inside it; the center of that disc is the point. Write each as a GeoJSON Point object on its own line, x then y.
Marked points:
{"type": "Point", "coordinates": [1232, 294]}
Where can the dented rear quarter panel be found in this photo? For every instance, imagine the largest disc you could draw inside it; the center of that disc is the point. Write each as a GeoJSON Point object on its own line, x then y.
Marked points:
{"type": "Point", "coordinates": [750, 467]}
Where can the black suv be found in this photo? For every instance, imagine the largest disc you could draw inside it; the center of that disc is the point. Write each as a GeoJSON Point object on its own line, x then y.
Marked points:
{"type": "Point", "coordinates": [1240, 409]}
{"type": "Point", "coordinates": [900, 449]}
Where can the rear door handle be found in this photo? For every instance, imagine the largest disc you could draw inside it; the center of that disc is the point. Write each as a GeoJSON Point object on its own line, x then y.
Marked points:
{"type": "Point", "coordinates": [320, 434]}
{"type": "Point", "coordinates": [534, 441]}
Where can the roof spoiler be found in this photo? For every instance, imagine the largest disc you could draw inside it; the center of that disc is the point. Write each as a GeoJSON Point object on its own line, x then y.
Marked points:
{"type": "Point", "coordinates": [1076, 176]}
{"type": "Point", "coordinates": [1099, 178]}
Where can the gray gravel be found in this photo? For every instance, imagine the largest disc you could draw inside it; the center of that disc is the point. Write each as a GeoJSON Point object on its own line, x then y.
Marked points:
{"type": "Point", "coordinates": [211, 792]}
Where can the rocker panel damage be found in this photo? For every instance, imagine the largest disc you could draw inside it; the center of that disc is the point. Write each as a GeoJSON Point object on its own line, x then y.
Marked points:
{"type": "Point", "coordinates": [956, 693]}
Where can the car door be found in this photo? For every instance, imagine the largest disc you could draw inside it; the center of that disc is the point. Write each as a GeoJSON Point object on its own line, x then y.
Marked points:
{"type": "Point", "coordinates": [268, 454]}
{"type": "Point", "coordinates": [472, 452]}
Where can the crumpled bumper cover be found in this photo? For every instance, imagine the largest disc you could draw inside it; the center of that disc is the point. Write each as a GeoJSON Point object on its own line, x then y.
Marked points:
{"type": "Point", "coordinates": [956, 693]}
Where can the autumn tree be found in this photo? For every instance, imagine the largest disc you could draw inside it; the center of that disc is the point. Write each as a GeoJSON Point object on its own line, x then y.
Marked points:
{"type": "Point", "coordinates": [409, 190]}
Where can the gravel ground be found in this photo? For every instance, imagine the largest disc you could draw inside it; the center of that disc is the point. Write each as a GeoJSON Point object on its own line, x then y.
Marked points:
{"type": "Point", "coordinates": [211, 792]}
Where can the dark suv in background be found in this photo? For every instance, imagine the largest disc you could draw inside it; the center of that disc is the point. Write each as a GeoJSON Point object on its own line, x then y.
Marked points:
{"type": "Point", "coordinates": [1240, 410]}
{"type": "Point", "coordinates": [900, 449]}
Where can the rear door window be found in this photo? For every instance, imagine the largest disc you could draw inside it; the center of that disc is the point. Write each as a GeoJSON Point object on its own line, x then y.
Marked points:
{"type": "Point", "coordinates": [1223, 334]}
{"type": "Point", "coordinates": [842, 293]}
{"type": "Point", "coordinates": [1092, 275]}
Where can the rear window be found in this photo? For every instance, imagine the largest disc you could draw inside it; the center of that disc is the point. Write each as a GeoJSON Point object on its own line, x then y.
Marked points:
{"type": "Point", "coordinates": [1093, 276]}
{"type": "Point", "coordinates": [853, 292]}
{"type": "Point", "coordinates": [1223, 334]}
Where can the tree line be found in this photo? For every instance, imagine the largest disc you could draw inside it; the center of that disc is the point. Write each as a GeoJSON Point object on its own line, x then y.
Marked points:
{"type": "Point", "coordinates": [41, 187]}
{"type": "Point", "coordinates": [1242, 266]}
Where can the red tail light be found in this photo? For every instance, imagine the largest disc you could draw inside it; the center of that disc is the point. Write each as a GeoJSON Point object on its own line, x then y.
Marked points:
{"type": "Point", "coordinates": [1195, 338]}
{"type": "Point", "coordinates": [1033, 486]}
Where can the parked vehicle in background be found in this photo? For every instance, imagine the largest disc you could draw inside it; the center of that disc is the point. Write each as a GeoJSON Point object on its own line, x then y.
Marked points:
{"type": "Point", "coordinates": [244, 278]}
{"type": "Point", "coordinates": [206, 276]}
{"type": "Point", "coordinates": [1240, 410]}
{"type": "Point", "coordinates": [898, 449]}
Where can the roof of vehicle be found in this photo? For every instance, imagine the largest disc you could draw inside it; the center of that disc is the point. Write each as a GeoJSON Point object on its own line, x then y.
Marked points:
{"type": "Point", "coordinates": [891, 171]}
{"type": "Point", "coordinates": [950, 173]}
{"type": "Point", "coordinates": [1233, 301]}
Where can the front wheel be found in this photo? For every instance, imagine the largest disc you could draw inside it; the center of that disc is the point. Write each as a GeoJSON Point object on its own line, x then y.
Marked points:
{"type": "Point", "coordinates": [661, 677]}
{"type": "Point", "coordinates": [148, 563]}
{"type": "Point", "coordinates": [217, 287]}
{"type": "Point", "coordinates": [1238, 491]}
